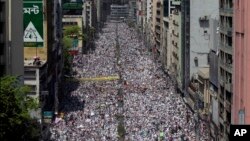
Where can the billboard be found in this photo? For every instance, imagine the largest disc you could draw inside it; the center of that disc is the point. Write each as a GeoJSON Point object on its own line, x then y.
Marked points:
{"type": "Point", "coordinates": [33, 23]}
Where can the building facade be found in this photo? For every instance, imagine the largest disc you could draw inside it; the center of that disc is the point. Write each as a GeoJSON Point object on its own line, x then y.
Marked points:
{"type": "Point", "coordinates": [225, 67]}
{"type": "Point", "coordinates": [241, 81]}
{"type": "Point", "coordinates": [196, 45]}
{"type": "Point", "coordinates": [11, 38]}
{"type": "Point", "coordinates": [213, 79]}
{"type": "Point", "coordinates": [132, 10]}
{"type": "Point", "coordinates": [118, 11]}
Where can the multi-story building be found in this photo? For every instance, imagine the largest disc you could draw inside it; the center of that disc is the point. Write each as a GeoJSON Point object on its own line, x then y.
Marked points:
{"type": "Point", "coordinates": [87, 13]}
{"type": "Point", "coordinates": [11, 41]}
{"type": "Point", "coordinates": [139, 14]}
{"type": "Point", "coordinates": [225, 67]}
{"type": "Point", "coordinates": [175, 46]}
{"type": "Point", "coordinates": [43, 61]}
{"type": "Point", "coordinates": [118, 11]}
{"type": "Point", "coordinates": [132, 10]}
{"type": "Point", "coordinates": [90, 22]}
{"type": "Point", "coordinates": [147, 24]}
{"type": "Point", "coordinates": [171, 40]}
{"type": "Point", "coordinates": [241, 41]}
{"type": "Point", "coordinates": [196, 46]}
{"type": "Point", "coordinates": [158, 26]}
{"type": "Point", "coordinates": [213, 117]}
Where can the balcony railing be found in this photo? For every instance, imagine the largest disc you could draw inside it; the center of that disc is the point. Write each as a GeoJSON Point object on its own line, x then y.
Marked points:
{"type": "Point", "coordinates": [226, 48]}
{"type": "Point", "coordinates": [201, 95]}
{"type": "Point", "coordinates": [228, 86]}
{"type": "Point", "coordinates": [226, 30]}
{"type": "Point", "coordinates": [226, 66]}
{"type": "Point", "coordinates": [227, 105]}
{"type": "Point", "coordinates": [158, 16]}
{"type": "Point", "coordinates": [226, 10]}
{"type": "Point", "coordinates": [158, 31]}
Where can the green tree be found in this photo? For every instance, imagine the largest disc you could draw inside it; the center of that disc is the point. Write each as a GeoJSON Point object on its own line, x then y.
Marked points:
{"type": "Point", "coordinates": [15, 121]}
{"type": "Point", "coordinates": [72, 30]}
{"type": "Point", "coordinates": [67, 42]}
{"type": "Point", "coordinates": [69, 32]}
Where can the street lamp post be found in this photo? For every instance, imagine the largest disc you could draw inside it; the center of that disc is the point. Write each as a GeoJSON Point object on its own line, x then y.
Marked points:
{"type": "Point", "coordinates": [36, 46]}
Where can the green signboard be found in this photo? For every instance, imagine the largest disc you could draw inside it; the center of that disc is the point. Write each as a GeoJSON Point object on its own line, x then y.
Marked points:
{"type": "Point", "coordinates": [72, 5]}
{"type": "Point", "coordinates": [33, 23]}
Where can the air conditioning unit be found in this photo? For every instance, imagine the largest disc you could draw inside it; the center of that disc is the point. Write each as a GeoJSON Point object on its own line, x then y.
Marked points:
{"type": "Point", "coordinates": [196, 76]}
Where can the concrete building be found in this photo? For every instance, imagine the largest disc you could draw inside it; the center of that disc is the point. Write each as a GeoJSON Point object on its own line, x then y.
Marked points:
{"type": "Point", "coordinates": [101, 13]}
{"type": "Point", "coordinates": [225, 67]}
{"type": "Point", "coordinates": [175, 51]}
{"type": "Point", "coordinates": [241, 40]}
{"type": "Point", "coordinates": [158, 9]}
{"type": "Point", "coordinates": [139, 14]}
{"type": "Point", "coordinates": [132, 10]}
{"type": "Point", "coordinates": [87, 13]}
{"type": "Point", "coordinates": [147, 16]}
{"type": "Point", "coordinates": [213, 117]}
{"type": "Point", "coordinates": [90, 23]}
{"type": "Point", "coordinates": [118, 11]}
{"type": "Point", "coordinates": [43, 61]}
{"type": "Point", "coordinates": [196, 38]}
{"type": "Point", "coordinates": [11, 41]}
{"type": "Point", "coordinates": [171, 36]}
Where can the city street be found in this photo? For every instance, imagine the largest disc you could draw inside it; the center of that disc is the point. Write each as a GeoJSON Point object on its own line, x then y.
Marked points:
{"type": "Point", "coordinates": [141, 99]}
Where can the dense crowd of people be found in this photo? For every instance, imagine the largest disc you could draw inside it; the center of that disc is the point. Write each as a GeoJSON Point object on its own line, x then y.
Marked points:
{"type": "Point", "coordinates": [152, 109]}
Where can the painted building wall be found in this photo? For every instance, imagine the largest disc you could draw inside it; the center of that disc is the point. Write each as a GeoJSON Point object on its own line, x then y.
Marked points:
{"type": "Point", "coordinates": [241, 65]}
{"type": "Point", "coordinates": [199, 32]}
{"type": "Point", "coordinates": [149, 11]}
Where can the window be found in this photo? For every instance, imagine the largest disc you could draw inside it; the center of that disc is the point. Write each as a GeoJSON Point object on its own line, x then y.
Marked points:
{"type": "Point", "coordinates": [196, 61]}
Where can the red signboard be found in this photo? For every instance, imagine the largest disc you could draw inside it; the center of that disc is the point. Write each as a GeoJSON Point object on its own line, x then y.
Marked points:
{"type": "Point", "coordinates": [73, 52]}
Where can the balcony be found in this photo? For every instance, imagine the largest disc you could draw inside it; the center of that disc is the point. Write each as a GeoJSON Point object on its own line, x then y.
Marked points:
{"type": "Point", "coordinates": [228, 87]}
{"type": "Point", "coordinates": [191, 92]}
{"type": "Point", "coordinates": [158, 16]}
{"type": "Point", "coordinates": [227, 105]}
{"type": "Point", "coordinates": [222, 82]}
{"type": "Point", "coordinates": [175, 23]}
{"type": "Point", "coordinates": [228, 67]}
{"type": "Point", "coordinates": [158, 24]}
{"type": "Point", "coordinates": [226, 30]}
{"type": "Point", "coordinates": [226, 10]}
{"type": "Point", "coordinates": [201, 95]}
{"type": "Point", "coordinates": [158, 31]}
{"type": "Point", "coordinates": [221, 119]}
{"type": "Point", "coordinates": [226, 48]}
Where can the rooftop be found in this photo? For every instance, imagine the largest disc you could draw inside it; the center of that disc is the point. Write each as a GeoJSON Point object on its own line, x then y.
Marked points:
{"type": "Point", "coordinates": [204, 72]}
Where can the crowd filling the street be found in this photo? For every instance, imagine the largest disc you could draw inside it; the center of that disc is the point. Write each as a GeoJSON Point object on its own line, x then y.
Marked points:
{"type": "Point", "coordinates": [144, 96]}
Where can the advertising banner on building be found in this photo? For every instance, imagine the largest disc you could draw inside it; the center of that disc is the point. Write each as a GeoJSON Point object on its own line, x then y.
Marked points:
{"type": "Point", "coordinates": [33, 23]}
